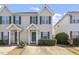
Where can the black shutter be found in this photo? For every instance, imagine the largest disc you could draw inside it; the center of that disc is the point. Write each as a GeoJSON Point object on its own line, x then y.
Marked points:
{"type": "Point", "coordinates": [71, 34]}
{"type": "Point", "coordinates": [9, 19]}
{"type": "Point", "coordinates": [40, 19]}
{"type": "Point", "coordinates": [41, 35]}
{"type": "Point", "coordinates": [14, 19]}
{"type": "Point", "coordinates": [70, 19]}
{"type": "Point", "coordinates": [49, 19]}
{"type": "Point", "coordinates": [30, 19]}
{"type": "Point", "coordinates": [0, 19]}
{"type": "Point", "coordinates": [2, 36]}
{"type": "Point", "coordinates": [48, 35]}
{"type": "Point", "coordinates": [36, 19]}
{"type": "Point", "coordinates": [19, 19]}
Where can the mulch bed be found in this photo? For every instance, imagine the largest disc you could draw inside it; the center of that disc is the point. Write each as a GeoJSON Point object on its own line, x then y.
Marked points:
{"type": "Point", "coordinates": [16, 51]}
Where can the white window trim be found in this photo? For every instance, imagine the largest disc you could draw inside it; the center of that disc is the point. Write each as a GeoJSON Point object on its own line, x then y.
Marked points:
{"type": "Point", "coordinates": [45, 20]}
{"type": "Point", "coordinates": [34, 19]}
{"type": "Point", "coordinates": [16, 19]}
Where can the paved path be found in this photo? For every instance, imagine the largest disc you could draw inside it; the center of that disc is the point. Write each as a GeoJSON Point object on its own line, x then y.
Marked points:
{"type": "Point", "coordinates": [43, 50]}
{"type": "Point", "coordinates": [5, 49]}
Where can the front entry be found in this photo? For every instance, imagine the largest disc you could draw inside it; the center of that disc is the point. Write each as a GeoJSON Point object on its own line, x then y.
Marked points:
{"type": "Point", "coordinates": [13, 37]}
{"type": "Point", "coordinates": [33, 37]}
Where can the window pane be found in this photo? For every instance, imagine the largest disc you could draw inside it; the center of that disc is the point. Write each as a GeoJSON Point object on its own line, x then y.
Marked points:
{"type": "Point", "coordinates": [45, 35]}
{"type": "Point", "coordinates": [75, 34]}
{"type": "Point", "coordinates": [5, 35]}
{"type": "Point", "coordinates": [3, 19]}
{"type": "Point", "coordinates": [75, 19]}
{"type": "Point", "coordinates": [34, 19]}
{"type": "Point", "coordinates": [16, 19]}
{"type": "Point", "coordinates": [47, 19]}
{"type": "Point", "coordinates": [7, 19]}
{"type": "Point", "coordinates": [43, 20]}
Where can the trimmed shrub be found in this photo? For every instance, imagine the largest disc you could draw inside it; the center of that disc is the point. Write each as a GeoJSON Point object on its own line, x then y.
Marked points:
{"type": "Point", "coordinates": [21, 44]}
{"type": "Point", "coordinates": [48, 42]}
{"type": "Point", "coordinates": [3, 42]}
{"type": "Point", "coordinates": [62, 38]}
{"type": "Point", "coordinates": [76, 41]}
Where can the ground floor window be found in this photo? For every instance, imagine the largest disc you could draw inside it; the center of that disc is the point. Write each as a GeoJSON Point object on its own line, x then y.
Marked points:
{"type": "Point", "coordinates": [45, 35]}
{"type": "Point", "coordinates": [74, 34]}
{"type": "Point", "coordinates": [4, 35]}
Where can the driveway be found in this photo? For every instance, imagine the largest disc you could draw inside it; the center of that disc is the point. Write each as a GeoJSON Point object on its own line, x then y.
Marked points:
{"type": "Point", "coordinates": [46, 50]}
{"type": "Point", "coordinates": [5, 49]}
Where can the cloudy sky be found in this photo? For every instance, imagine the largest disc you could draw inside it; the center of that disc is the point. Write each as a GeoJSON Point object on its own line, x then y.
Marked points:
{"type": "Point", "coordinates": [58, 9]}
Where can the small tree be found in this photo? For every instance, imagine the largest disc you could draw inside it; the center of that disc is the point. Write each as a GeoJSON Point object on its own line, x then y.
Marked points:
{"type": "Point", "coordinates": [62, 38]}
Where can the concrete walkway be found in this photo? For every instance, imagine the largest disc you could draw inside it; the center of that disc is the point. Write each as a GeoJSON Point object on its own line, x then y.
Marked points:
{"type": "Point", "coordinates": [5, 49]}
{"type": "Point", "coordinates": [46, 50]}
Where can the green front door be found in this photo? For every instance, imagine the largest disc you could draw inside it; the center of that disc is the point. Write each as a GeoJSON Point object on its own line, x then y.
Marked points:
{"type": "Point", "coordinates": [15, 37]}
{"type": "Point", "coordinates": [33, 37]}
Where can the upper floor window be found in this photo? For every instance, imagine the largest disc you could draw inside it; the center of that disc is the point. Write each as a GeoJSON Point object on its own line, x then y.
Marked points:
{"type": "Point", "coordinates": [74, 19]}
{"type": "Point", "coordinates": [5, 19]}
{"type": "Point", "coordinates": [17, 19]}
{"type": "Point", "coordinates": [45, 19]}
{"type": "Point", "coordinates": [9, 20]}
{"type": "Point", "coordinates": [33, 19]}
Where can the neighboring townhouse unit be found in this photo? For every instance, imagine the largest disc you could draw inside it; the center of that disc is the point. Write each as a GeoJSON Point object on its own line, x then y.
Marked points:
{"type": "Point", "coordinates": [68, 24]}
{"type": "Point", "coordinates": [25, 26]}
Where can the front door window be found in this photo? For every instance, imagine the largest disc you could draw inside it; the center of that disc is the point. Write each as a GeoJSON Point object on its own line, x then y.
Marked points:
{"type": "Point", "coordinates": [33, 37]}
{"type": "Point", "coordinates": [15, 37]}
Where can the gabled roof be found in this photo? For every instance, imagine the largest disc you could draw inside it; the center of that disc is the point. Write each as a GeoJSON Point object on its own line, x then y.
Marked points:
{"type": "Point", "coordinates": [60, 20]}
{"type": "Point", "coordinates": [50, 10]}
{"type": "Point", "coordinates": [3, 8]}
{"type": "Point", "coordinates": [13, 25]}
{"type": "Point", "coordinates": [33, 25]}
{"type": "Point", "coordinates": [68, 13]}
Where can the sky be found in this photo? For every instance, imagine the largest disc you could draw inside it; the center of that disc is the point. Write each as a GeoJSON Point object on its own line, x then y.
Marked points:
{"type": "Point", "coordinates": [59, 9]}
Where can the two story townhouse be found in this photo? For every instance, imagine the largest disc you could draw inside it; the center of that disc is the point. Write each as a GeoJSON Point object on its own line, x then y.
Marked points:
{"type": "Point", "coordinates": [28, 27]}
{"type": "Point", "coordinates": [69, 24]}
